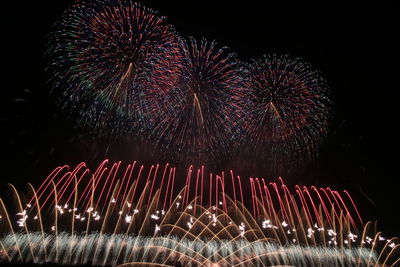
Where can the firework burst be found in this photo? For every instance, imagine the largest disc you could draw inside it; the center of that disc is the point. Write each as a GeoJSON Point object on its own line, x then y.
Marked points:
{"type": "Point", "coordinates": [113, 62]}
{"type": "Point", "coordinates": [206, 106]}
{"type": "Point", "coordinates": [289, 108]}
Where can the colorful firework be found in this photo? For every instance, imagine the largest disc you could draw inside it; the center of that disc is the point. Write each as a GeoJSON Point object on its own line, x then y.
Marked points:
{"type": "Point", "coordinates": [113, 62]}
{"type": "Point", "coordinates": [206, 111]}
{"type": "Point", "coordinates": [288, 111]}
{"type": "Point", "coordinates": [116, 216]}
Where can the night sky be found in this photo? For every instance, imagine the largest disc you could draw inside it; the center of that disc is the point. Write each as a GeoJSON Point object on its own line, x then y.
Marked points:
{"type": "Point", "coordinates": [352, 45]}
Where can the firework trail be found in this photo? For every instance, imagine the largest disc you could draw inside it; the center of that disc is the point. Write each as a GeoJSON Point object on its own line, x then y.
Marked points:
{"type": "Point", "coordinates": [106, 250]}
{"type": "Point", "coordinates": [116, 215]}
{"type": "Point", "coordinates": [113, 61]}
{"type": "Point", "coordinates": [206, 108]}
{"type": "Point", "coordinates": [288, 111]}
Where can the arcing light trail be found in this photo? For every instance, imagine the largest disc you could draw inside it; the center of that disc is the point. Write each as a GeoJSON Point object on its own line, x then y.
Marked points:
{"type": "Point", "coordinates": [205, 189]}
{"type": "Point", "coordinates": [148, 214]}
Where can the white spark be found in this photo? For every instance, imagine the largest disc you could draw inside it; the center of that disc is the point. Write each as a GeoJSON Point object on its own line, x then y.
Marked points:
{"type": "Point", "coordinates": [154, 217]}
{"type": "Point", "coordinates": [128, 218]}
{"type": "Point", "coordinates": [157, 228]}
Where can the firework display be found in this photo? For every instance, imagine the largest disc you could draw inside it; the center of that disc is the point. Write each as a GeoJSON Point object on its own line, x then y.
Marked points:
{"type": "Point", "coordinates": [113, 62]}
{"type": "Point", "coordinates": [288, 110]}
{"type": "Point", "coordinates": [123, 71]}
{"type": "Point", "coordinates": [109, 217]}
{"type": "Point", "coordinates": [206, 109]}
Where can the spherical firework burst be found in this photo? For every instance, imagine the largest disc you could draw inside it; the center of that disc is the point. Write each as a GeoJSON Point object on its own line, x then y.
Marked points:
{"type": "Point", "coordinates": [114, 61]}
{"type": "Point", "coordinates": [289, 108]}
{"type": "Point", "coordinates": [205, 108]}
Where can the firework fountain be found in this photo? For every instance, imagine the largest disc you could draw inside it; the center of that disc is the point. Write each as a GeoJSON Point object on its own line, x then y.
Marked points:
{"type": "Point", "coordinates": [139, 215]}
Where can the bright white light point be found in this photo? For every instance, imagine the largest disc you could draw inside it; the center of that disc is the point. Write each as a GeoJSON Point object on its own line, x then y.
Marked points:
{"type": "Point", "coordinates": [220, 203]}
{"type": "Point", "coordinates": [28, 205]}
{"type": "Point", "coordinates": [35, 218]}
{"type": "Point", "coordinates": [352, 236]}
{"type": "Point", "coordinates": [177, 204]}
{"type": "Point", "coordinates": [157, 229]}
{"type": "Point", "coordinates": [331, 232]}
{"type": "Point", "coordinates": [83, 218]}
{"type": "Point", "coordinates": [129, 204]}
{"type": "Point", "coordinates": [190, 207]}
{"type": "Point", "coordinates": [66, 206]}
{"type": "Point", "coordinates": [135, 211]}
{"type": "Point", "coordinates": [113, 200]}
{"type": "Point", "coordinates": [180, 197]}
{"type": "Point", "coordinates": [266, 224]}
{"type": "Point", "coordinates": [294, 240]}
{"type": "Point", "coordinates": [154, 217]}
{"type": "Point", "coordinates": [53, 228]}
{"type": "Point", "coordinates": [284, 224]}
{"type": "Point", "coordinates": [391, 245]}
{"type": "Point", "coordinates": [128, 219]}
{"type": "Point", "coordinates": [23, 213]}
{"type": "Point", "coordinates": [120, 212]}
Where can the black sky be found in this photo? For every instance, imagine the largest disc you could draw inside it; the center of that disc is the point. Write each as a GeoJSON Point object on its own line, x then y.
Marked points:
{"type": "Point", "coordinates": [352, 45]}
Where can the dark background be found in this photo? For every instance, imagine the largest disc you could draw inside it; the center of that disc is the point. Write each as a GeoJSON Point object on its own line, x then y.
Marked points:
{"type": "Point", "coordinates": [352, 45]}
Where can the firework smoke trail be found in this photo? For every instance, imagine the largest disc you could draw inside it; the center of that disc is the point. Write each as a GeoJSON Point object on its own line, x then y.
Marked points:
{"type": "Point", "coordinates": [206, 108]}
{"type": "Point", "coordinates": [113, 62]}
{"type": "Point", "coordinates": [288, 111]}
